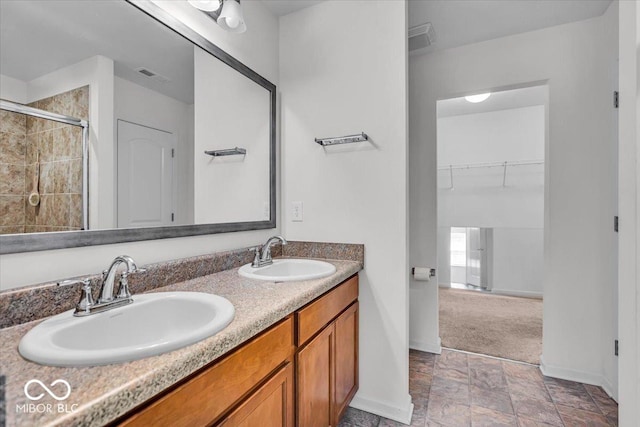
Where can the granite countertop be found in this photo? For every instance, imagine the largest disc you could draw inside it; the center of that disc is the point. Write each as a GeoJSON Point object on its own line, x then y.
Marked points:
{"type": "Point", "coordinates": [104, 393]}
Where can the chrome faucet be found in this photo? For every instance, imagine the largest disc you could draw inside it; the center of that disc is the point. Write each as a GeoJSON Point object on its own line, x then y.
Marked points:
{"type": "Point", "coordinates": [108, 279]}
{"type": "Point", "coordinates": [107, 299]}
{"type": "Point", "coordinates": [263, 255]}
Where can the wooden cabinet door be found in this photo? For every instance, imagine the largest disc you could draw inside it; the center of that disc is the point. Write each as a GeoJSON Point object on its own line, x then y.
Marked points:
{"type": "Point", "coordinates": [315, 381]}
{"type": "Point", "coordinates": [271, 405]}
{"type": "Point", "coordinates": [346, 360]}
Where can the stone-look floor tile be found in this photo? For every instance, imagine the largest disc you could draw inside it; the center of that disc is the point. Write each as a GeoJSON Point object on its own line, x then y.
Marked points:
{"type": "Point", "coordinates": [483, 362]}
{"type": "Point", "coordinates": [357, 418]}
{"type": "Point", "coordinates": [573, 417]}
{"type": "Point", "coordinates": [451, 390]}
{"type": "Point", "coordinates": [498, 401]}
{"type": "Point", "coordinates": [575, 396]}
{"type": "Point", "coordinates": [483, 417]}
{"type": "Point", "coordinates": [522, 371]}
{"type": "Point", "coordinates": [607, 405]}
{"type": "Point", "coordinates": [431, 423]}
{"type": "Point", "coordinates": [488, 377]}
{"type": "Point", "coordinates": [537, 410]}
{"type": "Point", "coordinates": [523, 388]}
{"type": "Point", "coordinates": [448, 412]}
{"type": "Point", "coordinates": [525, 422]}
{"type": "Point", "coordinates": [613, 418]}
{"type": "Point", "coordinates": [450, 359]}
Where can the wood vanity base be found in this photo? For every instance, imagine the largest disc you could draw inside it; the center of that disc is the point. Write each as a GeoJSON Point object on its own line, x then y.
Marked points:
{"type": "Point", "coordinates": [303, 371]}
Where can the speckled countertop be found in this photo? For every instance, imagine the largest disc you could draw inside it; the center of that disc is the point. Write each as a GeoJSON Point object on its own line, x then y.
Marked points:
{"type": "Point", "coordinates": [105, 393]}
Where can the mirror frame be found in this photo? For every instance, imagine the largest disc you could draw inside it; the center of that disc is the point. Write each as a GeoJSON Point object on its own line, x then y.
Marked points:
{"type": "Point", "coordinates": [15, 243]}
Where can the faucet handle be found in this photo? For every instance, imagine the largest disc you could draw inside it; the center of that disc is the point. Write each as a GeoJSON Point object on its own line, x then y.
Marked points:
{"type": "Point", "coordinates": [86, 298]}
{"type": "Point", "coordinates": [256, 257]}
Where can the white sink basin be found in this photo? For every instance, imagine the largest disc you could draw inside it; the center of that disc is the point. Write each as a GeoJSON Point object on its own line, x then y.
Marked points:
{"type": "Point", "coordinates": [152, 324]}
{"type": "Point", "coordinates": [289, 270]}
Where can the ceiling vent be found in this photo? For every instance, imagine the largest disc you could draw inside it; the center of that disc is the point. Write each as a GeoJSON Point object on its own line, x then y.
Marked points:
{"type": "Point", "coordinates": [421, 36]}
{"type": "Point", "coordinates": [152, 75]}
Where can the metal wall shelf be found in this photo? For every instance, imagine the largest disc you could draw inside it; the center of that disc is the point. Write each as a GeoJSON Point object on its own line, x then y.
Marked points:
{"type": "Point", "coordinates": [227, 152]}
{"type": "Point", "coordinates": [342, 139]}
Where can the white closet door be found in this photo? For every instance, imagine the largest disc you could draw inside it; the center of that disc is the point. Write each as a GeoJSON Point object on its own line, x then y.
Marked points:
{"type": "Point", "coordinates": [145, 176]}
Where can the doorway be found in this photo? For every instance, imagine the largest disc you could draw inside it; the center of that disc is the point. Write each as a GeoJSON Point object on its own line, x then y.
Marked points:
{"type": "Point", "coordinates": [491, 151]}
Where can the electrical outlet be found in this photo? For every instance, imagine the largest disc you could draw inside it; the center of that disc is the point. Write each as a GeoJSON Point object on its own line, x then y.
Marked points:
{"type": "Point", "coordinates": [296, 211]}
{"type": "Point", "coordinates": [266, 211]}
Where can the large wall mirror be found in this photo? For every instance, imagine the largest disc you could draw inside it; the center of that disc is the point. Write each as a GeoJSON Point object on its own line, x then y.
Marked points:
{"type": "Point", "coordinates": [119, 123]}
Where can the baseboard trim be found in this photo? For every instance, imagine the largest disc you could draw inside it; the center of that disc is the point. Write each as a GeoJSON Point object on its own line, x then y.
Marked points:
{"type": "Point", "coordinates": [428, 347]}
{"type": "Point", "coordinates": [401, 415]}
{"type": "Point", "coordinates": [609, 389]}
{"type": "Point", "coordinates": [577, 376]}
{"type": "Point", "coordinates": [524, 294]}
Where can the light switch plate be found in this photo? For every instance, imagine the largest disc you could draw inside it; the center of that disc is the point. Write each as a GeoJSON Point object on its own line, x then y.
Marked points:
{"type": "Point", "coordinates": [296, 211]}
{"type": "Point", "coordinates": [266, 212]}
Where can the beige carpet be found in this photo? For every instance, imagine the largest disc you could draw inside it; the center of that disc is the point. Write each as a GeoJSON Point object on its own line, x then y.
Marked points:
{"type": "Point", "coordinates": [501, 326]}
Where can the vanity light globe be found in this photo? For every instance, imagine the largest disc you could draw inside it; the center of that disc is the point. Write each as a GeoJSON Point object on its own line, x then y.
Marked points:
{"type": "Point", "coordinates": [474, 99]}
{"type": "Point", "coordinates": [231, 18]}
{"type": "Point", "coordinates": [206, 5]}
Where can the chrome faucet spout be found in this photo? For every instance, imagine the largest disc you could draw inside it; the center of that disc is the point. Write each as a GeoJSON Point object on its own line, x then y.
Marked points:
{"type": "Point", "coordinates": [107, 293]}
{"type": "Point", "coordinates": [263, 256]}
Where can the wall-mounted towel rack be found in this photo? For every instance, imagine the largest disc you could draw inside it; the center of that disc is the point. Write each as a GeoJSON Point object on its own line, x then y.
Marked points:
{"type": "Point", "coordinates": [227, 152]}
{"type": "Point", "coordinates": [342, 139]}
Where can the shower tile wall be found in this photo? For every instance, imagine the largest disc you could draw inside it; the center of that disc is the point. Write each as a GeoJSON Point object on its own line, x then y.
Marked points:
{"type": "Point", "coordinates": [12, 172]}
{"type": "Point", "coordinates": [59, 148]}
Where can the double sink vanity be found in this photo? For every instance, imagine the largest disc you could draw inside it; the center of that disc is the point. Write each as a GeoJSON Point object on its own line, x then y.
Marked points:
{"type": "Point", "coordinates": [198, 341]}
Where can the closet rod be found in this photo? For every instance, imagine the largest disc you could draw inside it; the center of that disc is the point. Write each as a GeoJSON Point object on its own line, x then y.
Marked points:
{"type": "Point", "coordinates": [492, 165]}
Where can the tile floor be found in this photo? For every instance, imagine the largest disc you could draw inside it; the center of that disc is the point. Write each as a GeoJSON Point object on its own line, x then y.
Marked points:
{"type": "Point", "coordinates": [458, 389]}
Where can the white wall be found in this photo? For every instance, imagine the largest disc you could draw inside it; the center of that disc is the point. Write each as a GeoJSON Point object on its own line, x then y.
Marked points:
{"type": "Point", "coordinates": [143, 106]}
{"type": "Point", "coordinates": [578, 62]}
{"type": "Point", "coordinates": [230, 188]}
{"type": "Point", "coordinates": [343, 70]}
{"type": "Point", "coordinates": [517, 262]}
{"type": "Point", "coordinates": [13, 90]}
{"type": "Point", "coordinates": [629, 211]}
{"type": "Point", "coordinates": [258, 49]}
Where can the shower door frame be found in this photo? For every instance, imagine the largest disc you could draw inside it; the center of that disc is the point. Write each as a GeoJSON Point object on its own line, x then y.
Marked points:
{"type": "Point", "coordinates": [84, 124]}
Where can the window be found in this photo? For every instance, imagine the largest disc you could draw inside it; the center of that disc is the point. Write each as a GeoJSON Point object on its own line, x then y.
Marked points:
{"type": "Point", "coordinates": [458, 247]}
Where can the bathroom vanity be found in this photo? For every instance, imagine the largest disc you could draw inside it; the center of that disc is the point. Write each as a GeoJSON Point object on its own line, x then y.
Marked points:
{"type": "Point", "coordinates": [289, 356]}
{"type": "Point", "coordinates": [316, 348]}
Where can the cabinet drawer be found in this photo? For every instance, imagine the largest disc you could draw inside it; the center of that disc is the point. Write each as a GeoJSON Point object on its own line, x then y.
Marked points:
{"type": "Point", "coordinates": [319, 313]}
{"type": "Point", "coordinates": [204, 398]}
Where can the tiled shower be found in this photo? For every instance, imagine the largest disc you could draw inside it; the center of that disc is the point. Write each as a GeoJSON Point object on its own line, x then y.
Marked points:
{"type": "Point", "coordinates": [53, 150]}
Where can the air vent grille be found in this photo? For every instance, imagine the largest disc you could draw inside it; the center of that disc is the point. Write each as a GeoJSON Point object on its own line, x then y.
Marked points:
{"type": "Point", "coordinates": [421, 36]}
{"type": "Point", "coordinates": [152, 75]}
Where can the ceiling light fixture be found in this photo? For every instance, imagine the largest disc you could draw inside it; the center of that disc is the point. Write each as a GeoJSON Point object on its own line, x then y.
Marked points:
{"type": "Point", "coordinates": [205, 5]}
{"type": "Point", "coordinates": [227, 13]}
{"type": "Point", "coordinates": [474, 99]}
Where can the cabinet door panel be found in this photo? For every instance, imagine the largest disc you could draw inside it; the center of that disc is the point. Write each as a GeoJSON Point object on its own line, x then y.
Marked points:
{"type": "Point", "coordinates": [269, 406]}
{"type": "Point", "coordinates": [346, 360]}
{"type": "Point", "coordinates": [315, 381]}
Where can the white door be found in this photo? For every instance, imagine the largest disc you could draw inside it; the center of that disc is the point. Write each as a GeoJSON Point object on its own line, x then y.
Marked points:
{"type": "Point", "coordinates": [145, 176]}
{"type": "Point", "coordinates": [476, 256]}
